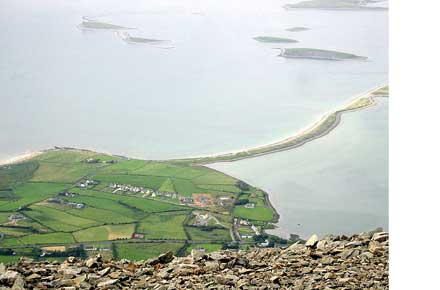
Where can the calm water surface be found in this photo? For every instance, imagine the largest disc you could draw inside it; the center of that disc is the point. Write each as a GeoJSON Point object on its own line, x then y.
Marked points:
{"type": "Point", "coordinates": [217, 90]}
{"type": "Point", "coordinates": [335, 184]}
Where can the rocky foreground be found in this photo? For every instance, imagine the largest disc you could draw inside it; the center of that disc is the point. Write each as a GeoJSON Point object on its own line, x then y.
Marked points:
{"type": "Point", "coordinates": [335, 262]}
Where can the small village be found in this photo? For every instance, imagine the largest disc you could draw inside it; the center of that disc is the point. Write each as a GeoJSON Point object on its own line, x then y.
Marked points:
{"type": "Point", "coordinates": [63, 202]}
{"type": "Point", "coordinates": [197, 200]}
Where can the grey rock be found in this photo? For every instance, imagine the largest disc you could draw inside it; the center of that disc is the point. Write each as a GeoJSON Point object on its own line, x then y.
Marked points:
{"type": "Point", "coordinates": [312, 241]}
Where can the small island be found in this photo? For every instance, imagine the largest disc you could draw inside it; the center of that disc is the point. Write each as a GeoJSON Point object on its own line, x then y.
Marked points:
{"type": "Point", "coordinates": [297, 29]}
{"type": "Point", "coordinates": [271, 39]}
{"type": "Point", "coordinates": [336, 5]}
{"type": "Point", "coordinates": [312, 53]}
{"type": "Point", "coordinates": [128, 38]}
{"type": "Point", "coordinates": [91, 24]}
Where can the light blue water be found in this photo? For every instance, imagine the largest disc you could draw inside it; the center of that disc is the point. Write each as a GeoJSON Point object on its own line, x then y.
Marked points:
{"type": "Point", "coordinates": [335, 184]}
{"type": "Point", "coordinates": [217, 90]}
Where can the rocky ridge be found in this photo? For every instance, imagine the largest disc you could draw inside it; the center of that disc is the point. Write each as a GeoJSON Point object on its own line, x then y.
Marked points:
{"type": "Point", "coordinates": [334, 262]}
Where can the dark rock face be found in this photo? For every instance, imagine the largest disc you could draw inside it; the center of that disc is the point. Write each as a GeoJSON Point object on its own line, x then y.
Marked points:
{"type": "Point", "coordinates": [335, 262]}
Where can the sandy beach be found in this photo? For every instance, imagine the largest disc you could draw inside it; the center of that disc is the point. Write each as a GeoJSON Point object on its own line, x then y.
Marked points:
{"type": "Point", "coordinates": [20, 158]}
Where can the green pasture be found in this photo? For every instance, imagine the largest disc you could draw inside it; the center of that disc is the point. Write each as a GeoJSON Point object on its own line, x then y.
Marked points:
{"type": "Point", "coordinates": [35, 239]}
{"type": "Point", "coordinates": [143, 251]}
{"type": "Point", "coordinates": [31, 192]}
{"type": "Point", "coordinates": [208, 234]}
{"type": "Point", "coordinates": [163, 226]}
{"type": "Point", "coordinates": [59, 220]}
{"type": "Point", "coordinates": [258, 213]}
{"type": "Point", "coordinates": [103, 233]}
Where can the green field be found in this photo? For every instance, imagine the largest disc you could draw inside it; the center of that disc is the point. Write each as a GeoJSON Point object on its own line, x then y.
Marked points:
{"type": "Point", "coordinates": [142, 251]}
{"type": "Point", "coordinates": [35, 239]}
{"type": "Point", "coordinates": [257, 213]}
{"type": "Point", "coordinates": [103, 233]}
{"type": "Point", "coordinates": [31, 192]}
{"type": "Point", "coordinates": [163, 226]}
{"type": "Point", "coordinates": [58, 220]}
{"type": "Point", "coordinates": [216, 234]}
{"type": "Point", "coordinates": [167, 186]}
{"type": "Point", "coordinates": [57, 211]}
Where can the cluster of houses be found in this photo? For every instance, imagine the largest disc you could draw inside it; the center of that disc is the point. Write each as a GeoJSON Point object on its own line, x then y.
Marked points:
{"type": "Point", "coordinates": [249, 205]}
{"type": "Point", "coordinates": [96, 160]}
{"type": "Point", "coordinates": [202, 220]}
{"type": "Point", "coordinates": [243, 222]}
{"type": "Point", "coordinates": [87, 183]}
{"type": "Point", "coordinates": [16, 217]}
{"type": "Point", "coordinates": [67, 194]}
{"type": "Point", "coordinates": [60, 201]}
{"type": "Point", "coordinates": [129, 188]}
{"type": "Point", "coordinates": [150, 192]}
{"type": "Point", "coordinates": [94, 248]}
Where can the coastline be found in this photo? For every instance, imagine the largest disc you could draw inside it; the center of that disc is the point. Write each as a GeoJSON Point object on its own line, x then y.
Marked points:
{"type": "Point", "coordinates": [318, 129]}
{"type": "Point", "coordinates": [327, 122]}
{"type": "Point", "coordinates": [21, 157]}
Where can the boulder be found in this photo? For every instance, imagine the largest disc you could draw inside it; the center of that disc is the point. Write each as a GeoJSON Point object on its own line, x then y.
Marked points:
{"type": "Point", "coordinates": [312, 241]}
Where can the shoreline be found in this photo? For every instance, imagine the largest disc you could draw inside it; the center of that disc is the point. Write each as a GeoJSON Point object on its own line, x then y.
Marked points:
{"type": "Point", "coordinates": [333, 119]}
{"type": "Point", "coordinates": [22, 157]}
{"type": "Point", "coordinates": [318, 129]}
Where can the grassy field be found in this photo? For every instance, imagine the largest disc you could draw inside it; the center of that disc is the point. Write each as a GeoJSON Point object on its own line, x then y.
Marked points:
{"type": "Point", "coordinates": [167, 186]}
{"type": "Point", "coordinates": [103, 233]}
{"type": "Point", "coordinates": [59, 172]}
{"type": "Point", "coordinates": [142, 251]}
{"type": "Point", "coordinates": [216, 234]}
{"type": "Point", "coordinates": [257, 213]}
{"type": "Point", "coordinates": [58, 220]}
{"type": "Point", "coordinates": [31, 192]}
{"type": "Point", "coordinates": [163, 226]}
{"type": "Point", "coordinates": [10, 174]}
{"type": "Point", "coordinates": [35, 239]}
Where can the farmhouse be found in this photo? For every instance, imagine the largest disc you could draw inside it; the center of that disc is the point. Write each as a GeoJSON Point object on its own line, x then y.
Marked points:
{"type": "Point", "coordinates": [249, 205]}
{"type": "Point", "coordinates": [138, 236]}
{"type": "Point", "coordinates": [255, 229]}
{"type": "Point", "coordinates": [65, 203]}
{"type": "Point", "coordinates": [201, 220]}
{"type": "Point", "coordinates": [86, 183]}
{"type": "Point", "coordinates": [67, 194]}
{"type": "Point", "coordinates": [186, 200]}
{"type": "Point", "coordinates": [16, 217]}
{"type": "Point", "coordinates": [244, 222]}
{"type": "Point", "coordinates": [202, 199]}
